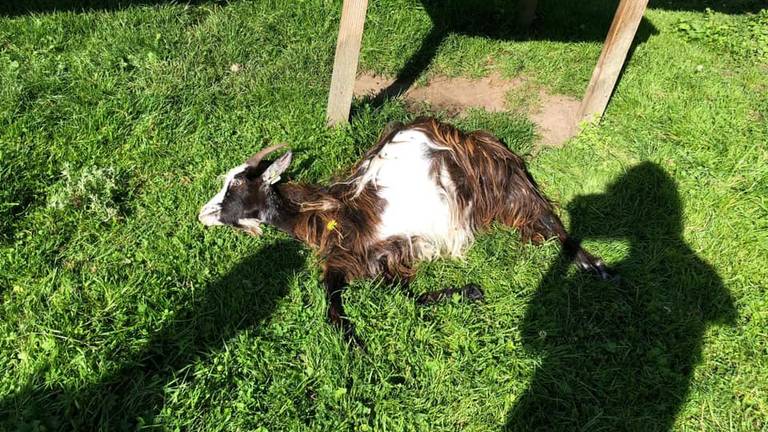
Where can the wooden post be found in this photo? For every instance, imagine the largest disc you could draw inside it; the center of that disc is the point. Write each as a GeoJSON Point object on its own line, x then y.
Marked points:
{"type": "Point", "coordinates": [606, 73]}
{"type": "Point", "coordinates": [345, 61]}
{"type": "Point", "coordinates": [526, 12]}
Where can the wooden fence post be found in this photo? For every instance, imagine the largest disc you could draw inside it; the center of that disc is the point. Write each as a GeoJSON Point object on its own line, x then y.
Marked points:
{"type": "Point", "coordinates": [617, 44]}
{"type": "Point", "coordinates": [345, 61]}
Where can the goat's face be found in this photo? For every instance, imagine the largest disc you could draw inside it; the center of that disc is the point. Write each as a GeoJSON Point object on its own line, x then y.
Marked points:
{"type": "Point", "coordinates": [248, 197]}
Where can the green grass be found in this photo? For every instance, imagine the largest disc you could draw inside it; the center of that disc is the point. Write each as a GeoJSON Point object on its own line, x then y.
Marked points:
{"type": "Point", "coordinates": [119, 311]}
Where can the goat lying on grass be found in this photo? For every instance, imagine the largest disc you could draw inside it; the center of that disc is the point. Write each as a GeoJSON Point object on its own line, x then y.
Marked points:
{"type": "Point", "coordinates": [421, 192]}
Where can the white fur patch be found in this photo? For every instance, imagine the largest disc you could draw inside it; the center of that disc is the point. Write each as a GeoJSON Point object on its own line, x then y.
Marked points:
{"type": "Point", "coordinates": [209, 214]}
{"type": "Point", "coordinates": [417, 207]}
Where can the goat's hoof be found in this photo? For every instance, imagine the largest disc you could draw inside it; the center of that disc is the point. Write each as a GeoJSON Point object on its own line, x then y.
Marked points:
{"type": "Point", "coordinates": [353, 340]}
{"type": "Point", "coordinates": [602, 271]}
{"type": "Point", "coordinates": [357, 345]}
{"type": "Point", "coordinates": [472, 292]}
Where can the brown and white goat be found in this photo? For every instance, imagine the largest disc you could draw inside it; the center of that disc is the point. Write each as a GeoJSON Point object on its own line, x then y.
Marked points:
{"type": "Point", "coordinates": [423, 191]}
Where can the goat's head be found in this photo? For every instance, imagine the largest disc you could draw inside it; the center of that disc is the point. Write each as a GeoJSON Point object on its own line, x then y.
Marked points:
{"type": "Point", "coordinates": [248, 197]}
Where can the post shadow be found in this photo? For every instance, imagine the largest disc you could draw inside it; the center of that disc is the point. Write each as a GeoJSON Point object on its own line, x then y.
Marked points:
{"type": "Point", "coordinates": [620, 356]}
{"type": "Point", "coordinates": [582, 21]}
{"type": "Point", "coordinates": [242, 299]}
{"type": "Point", "coordinates": [572, 21]}
{"type": "Point", "coordinates": [727, 7]}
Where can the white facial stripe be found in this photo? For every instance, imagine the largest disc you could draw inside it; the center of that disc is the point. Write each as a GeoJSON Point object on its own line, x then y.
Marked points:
{"type": "Point", "coordinates": [209, 219]}
{"type": "Point", "coordinates": [209, 214]}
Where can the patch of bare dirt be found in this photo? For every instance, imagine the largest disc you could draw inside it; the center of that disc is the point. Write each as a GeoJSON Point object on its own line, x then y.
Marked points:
{"type": "Point", "coordinates": [556, 118]}
{"type": "Point", "coordinates": [554, 115]}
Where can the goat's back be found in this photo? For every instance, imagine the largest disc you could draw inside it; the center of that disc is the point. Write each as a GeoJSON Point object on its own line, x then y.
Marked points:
{"type": "Point", "coordinates": [438, 186]}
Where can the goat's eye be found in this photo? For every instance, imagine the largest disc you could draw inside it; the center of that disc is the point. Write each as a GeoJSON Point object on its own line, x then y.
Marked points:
{"type": "Point", "coordinates": [236, 182]}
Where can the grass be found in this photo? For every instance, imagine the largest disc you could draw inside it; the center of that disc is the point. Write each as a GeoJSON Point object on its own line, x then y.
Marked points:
{"type": "Point", "coordinates": [120, 312]}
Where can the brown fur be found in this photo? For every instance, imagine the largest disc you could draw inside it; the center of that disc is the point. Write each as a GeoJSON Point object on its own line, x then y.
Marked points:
{"type": "Point", "coordinates": [490, 180]}
{"type": "Point", "coordinates": [478, 180]}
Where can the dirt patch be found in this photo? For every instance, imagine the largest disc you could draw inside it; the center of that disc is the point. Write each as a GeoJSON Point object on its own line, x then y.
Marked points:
{"type": "Point", "coordinates": [453, 95]}
{"type": "Point", "coordinates": [556, 118]}
{"type": "Point", "coordinates": [554, 115]}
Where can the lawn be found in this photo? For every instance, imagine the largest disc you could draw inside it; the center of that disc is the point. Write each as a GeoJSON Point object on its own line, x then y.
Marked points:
{"type": "Point", "coordinates": [120, 312]}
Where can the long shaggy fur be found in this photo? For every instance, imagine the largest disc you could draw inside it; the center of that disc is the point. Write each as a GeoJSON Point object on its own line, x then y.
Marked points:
{"type": "Point", "coordinates": [423, 191]}
{"type": "Point", "coordinates": [483, 181]}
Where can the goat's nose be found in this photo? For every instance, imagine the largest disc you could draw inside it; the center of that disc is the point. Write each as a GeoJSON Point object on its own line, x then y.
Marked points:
{"type": "Point", "coordinates": [209, 216]}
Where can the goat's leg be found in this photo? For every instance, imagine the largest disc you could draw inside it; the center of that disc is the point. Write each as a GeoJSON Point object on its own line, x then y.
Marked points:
{"type": "Point", "coordinates": [335, 281]}
{"type": "Point", "coordinates": [470, 292]}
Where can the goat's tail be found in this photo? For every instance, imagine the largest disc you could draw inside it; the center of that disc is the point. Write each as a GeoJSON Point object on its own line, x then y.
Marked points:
{"type": "Point", "coordinates": [535, 217]}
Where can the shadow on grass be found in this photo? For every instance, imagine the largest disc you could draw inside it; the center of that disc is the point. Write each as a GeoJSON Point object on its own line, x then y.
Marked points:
{"type": "Point", "coordinates": [498, 7]}
{"type": "Point", "coordinates": [722, 6]}
{"type": "Point", "coordinates": [582, 21]}
{"type": "Point", "coordinates": [621, 356]}
{"type": "Point", "coordinates": [25, 7]}
{"type": "Point", "coordinates": [240, 300]}
{"type": "Point", "coordinates": [498, 20]}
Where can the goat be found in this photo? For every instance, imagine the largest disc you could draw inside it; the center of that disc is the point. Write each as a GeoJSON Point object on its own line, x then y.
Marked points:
{"type": "Point", "coordinates": [422, 192]}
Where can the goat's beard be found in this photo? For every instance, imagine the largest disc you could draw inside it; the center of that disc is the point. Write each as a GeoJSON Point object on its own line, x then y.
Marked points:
{"type": "Point", "coordinates": [255, 231]}
{"type": "Point", "coordinates": [250, 226]}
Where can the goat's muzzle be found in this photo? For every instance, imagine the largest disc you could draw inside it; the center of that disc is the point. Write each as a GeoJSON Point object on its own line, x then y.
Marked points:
{"type": "Point", "coordinates": [209, 215]}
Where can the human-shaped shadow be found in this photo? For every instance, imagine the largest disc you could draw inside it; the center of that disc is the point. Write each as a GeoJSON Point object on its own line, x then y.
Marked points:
{"type": "Point", "coordinates": [242, 299]}
{"type": "Point", "coordinates": [620, 355]}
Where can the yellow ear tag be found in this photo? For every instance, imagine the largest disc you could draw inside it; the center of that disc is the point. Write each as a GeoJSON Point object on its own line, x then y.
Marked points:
{"type": "Point", "coordinates": [331, 225]}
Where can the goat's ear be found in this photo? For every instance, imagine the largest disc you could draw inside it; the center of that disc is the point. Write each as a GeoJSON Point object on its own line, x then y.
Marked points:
{"type": "Point", "coordinates": [272, 174]}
